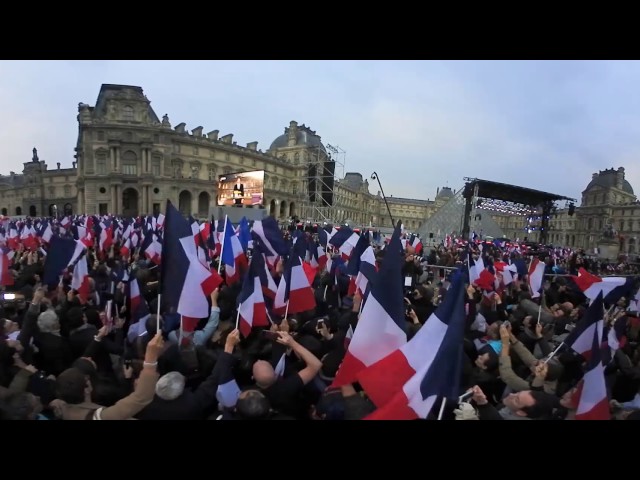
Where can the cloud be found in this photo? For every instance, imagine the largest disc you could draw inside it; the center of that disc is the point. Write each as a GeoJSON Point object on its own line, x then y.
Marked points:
{"type": "Point", "coordinates": [420, 125]}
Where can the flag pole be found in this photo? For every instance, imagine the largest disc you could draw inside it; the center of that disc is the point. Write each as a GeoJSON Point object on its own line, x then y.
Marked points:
{"type": "Point", "coordinates": [441, 412]}
{"type": "Point", "coordinates": [238, 315]}
{"type": "Point", "coordinates": [158, 314]}
{"type": "Point", "coordinates": [286, 311]}
{"type": "Point", "coordinates": [224, 233]}
{"type": "Point", "coordinates": [553, 354]}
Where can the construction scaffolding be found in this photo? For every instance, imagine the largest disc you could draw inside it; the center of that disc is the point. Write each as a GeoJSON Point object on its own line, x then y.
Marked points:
{"type": "Point", "coordinates": [318, 196]}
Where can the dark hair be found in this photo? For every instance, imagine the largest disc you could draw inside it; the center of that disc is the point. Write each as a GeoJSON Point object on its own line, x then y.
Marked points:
{"type": "Point", "coordinates": [17, 406]}
{"type": "Point", "coordinates": [70, 386]}
{"type": "Point", "coordinates": [253, 406]}
{"type": "Point", "coordinates": [543, 406]}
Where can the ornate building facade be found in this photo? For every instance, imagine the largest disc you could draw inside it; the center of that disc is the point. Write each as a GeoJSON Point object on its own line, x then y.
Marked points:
{"type": "Point", "coordinates": [38, 191]}
{"type": "Point", "coordinates": [129, 161]}
{"type": "Point", "coordinates": [608, 204]}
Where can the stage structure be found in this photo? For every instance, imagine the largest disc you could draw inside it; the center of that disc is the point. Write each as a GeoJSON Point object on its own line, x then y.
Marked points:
{"type": "Point", "coordinates": [319, 194]}
{"type": "Point", "coordinates": [448, 220]}
{"type": "Point", "coordinates": [535, 206]}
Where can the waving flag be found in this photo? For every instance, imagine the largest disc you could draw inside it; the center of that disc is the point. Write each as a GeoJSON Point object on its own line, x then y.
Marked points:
{"type": "Point", "coordinates": [186, 283]}
{"type": "Point", "coordinates": [593, 403]}
{"type": "Point", "coordinates": [62, 253]}
{"type": "Point", "coordinates": [251, 300]}
{"type": "Point", "coordinates": [294, 293]}
{"type": "Point", "coordinates": [404, 385]}
{"type": "Point", "coordinates": [381, 328]}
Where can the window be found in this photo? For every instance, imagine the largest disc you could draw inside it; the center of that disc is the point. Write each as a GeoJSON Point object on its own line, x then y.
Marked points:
{"type": "Point", "coordinates": [103, 209]}
{"type": "Point", "coordinates": [156, 138]}
{"type": "Point", "coordinates": [101, 136]}
{"type": "Point", "coordinates": [155, 168]}
{"type": "Point", "coordinates": [127, 114]}
{"type": "Point", "coordinates": [129, 169]}
{"type": "Point", "coordinates": [156, 208]}
{"type": "Point", "coordinates": [195, 150]}
{"type": "Point", "coordinates": [212, 173]}
{"type": "Point", "coordinates": [67, 190]}
{"type": "Point", "coordinates": [52, 192]}
{"type": "Point", "coordinates": [129, 163]}
{"type": "Point", "coordinates": [101, 164]}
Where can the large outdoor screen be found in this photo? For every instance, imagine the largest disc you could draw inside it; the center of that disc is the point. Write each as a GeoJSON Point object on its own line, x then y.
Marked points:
{"type": "Point", "coordinates": [241, 189]}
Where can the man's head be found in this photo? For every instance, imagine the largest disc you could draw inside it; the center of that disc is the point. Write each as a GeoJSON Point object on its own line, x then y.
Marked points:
{"type": "Point", "coordinates": [253, 405]}
{"type": "Point", "coordinates": [530, 403]}
{"type": "Point", "coordinates": [21, 406]}
{"type": "Point", "coordinates": [264, 374]}
{"type": "Point", "coordinates": [170, 386]}
{"type": "Point", "coordinates": [73, 386]}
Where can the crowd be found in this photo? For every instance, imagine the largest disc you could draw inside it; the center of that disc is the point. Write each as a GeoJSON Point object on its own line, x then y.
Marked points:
{"type": "Point", "coordinates": [62, 358]}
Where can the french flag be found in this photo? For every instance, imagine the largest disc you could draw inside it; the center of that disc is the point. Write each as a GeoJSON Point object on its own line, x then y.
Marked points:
{"type": "Point", "coordinates": [536, 276]}
{"type": "Point", "coordinates": [271, 241]}
{"type": "Point", "coordinates": [592, 323]}
{"type": "Point", "coordinates": [406, 384]}
{"type": "Point", "coordinates": [367, 270]}
{"type": "Point", "coordinates": [251, 300]}
{"type": "Point", "coordinates": [62, 253]}
{"type": "Point", "coordinates": [139, 311]}
{"type": "Point", "coordinates": [186, 283]}
{"type": "Point", "coordinates": [80, 279]}
{"type": "Point", "coordinates": [268, 284]}
{"type": "Point", "coordinates": [381, 328]}
{"type": "Point", "coordinates": [294, 293]}
{"type": "Point", "coordinates": [6, 279]}
{"type": "Point", "coordinates": [416, 243]}
{"type": "Point", "coordinates": [593, 403]}
{"type": "Point", "coordinates": [612, 288]}
{"type": "Point", "coordinates": [233, 256]}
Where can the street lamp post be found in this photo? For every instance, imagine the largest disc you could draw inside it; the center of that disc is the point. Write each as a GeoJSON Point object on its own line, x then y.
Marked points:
{"type": "Point", "coordinates": [374, 176]}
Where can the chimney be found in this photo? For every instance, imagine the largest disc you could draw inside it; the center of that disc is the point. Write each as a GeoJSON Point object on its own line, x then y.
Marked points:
{"type": "Point", "coordinates": [180, 128]}
{"type": "Point", "coordinates": [197, 132]}
{"type": "Point", "coordinates": [620, 178]}
{"type": "Point", "coordinates": [227, 138]}
{"type": "Point", "coordinates": [59, 165]}
{"type": "Point", "coordinates": [213, 135]}
{"type": "Point", "coordinates": [594, 176]}
{"type": "Point", "coordinates": [252, 146]}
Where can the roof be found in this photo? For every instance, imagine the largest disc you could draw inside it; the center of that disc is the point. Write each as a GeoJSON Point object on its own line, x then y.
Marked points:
{"type": "Point", "coordinates": [445, 192]}
{"type": "Point", "coordinates": [408, 201]}
{"type": "Point", "coordinates": [510, 193]}
{"type": "Point", "coordinates": [124, 93]}
{"type": "Point", "coordinates": [608, 179]}
{"type": "Point", "coordinates": [304, 136]}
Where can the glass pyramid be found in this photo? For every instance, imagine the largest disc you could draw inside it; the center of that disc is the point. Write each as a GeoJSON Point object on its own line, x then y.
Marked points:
{"type": "Point", "coordinates": [448, 220]}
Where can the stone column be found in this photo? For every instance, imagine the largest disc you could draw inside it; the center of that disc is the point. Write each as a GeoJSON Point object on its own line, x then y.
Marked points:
{"type": "Point", "coordinates": [145, 195]}
{"type": "Point", "coordinates": [113, 200]}
{"type": "Point", "coordinates": [81, 201]}
{"type": "Point", "coordinates": [117, 168]}
{"type": "Point", "coordinates": [150, 200]}
{"type": "Point", "coordinates": [194, 205]}
{"type": "Point", "coordinates": [112, 158]}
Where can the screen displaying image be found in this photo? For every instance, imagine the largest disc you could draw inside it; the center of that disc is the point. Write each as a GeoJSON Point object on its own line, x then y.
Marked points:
{"type": "Point", "coordinates": [241, 189]}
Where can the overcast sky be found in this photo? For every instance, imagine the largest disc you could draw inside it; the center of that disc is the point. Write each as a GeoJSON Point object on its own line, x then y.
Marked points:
{"type": "Point", "coordinates": [419, 124]}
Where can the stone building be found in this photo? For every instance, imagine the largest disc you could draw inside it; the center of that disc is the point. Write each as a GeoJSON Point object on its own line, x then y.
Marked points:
{"type": "Point", "coordinates": [129, 161]}
{"type": "Point", "coordinates": [608, 204]}
{"type": "Point", "coordinates": [38, 191]}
